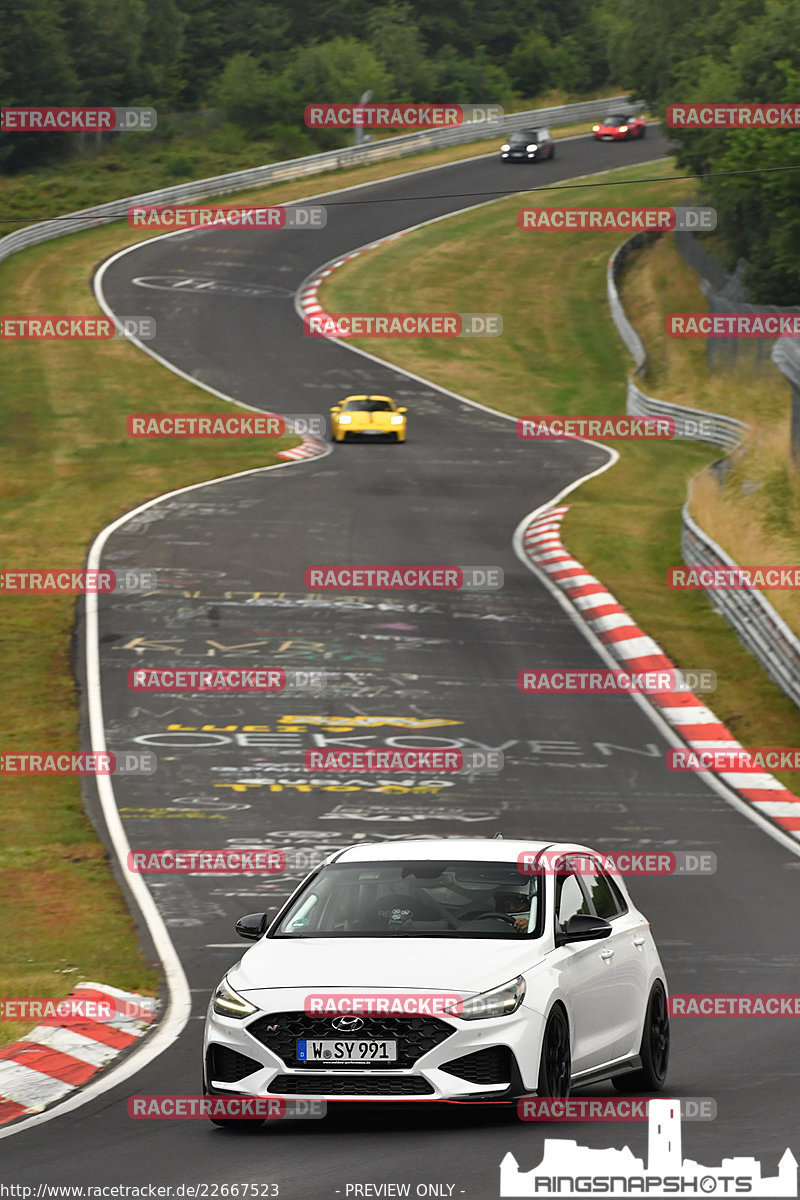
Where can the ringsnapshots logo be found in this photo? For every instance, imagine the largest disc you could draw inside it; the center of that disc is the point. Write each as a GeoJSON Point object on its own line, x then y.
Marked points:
{"type": "Point", "coordinates": [49, 580]}
{"type": "Point", "coordinates": [27, 119]}
{"type": "Point", "coordinates": [88, 762]}
{"type": "Point", "coordinates": [410, 325]}
{"type": "Point", "coordinates": [699, 219]}
{"type": "Point", "coordinates": [562, 429]}
{"type": "Point", "coordinates": [227, 861]}
{"type": "Point", "coordinates": [414, 761]}
{"type": "Point", "coordinates": [76, 329]}
{"type": "Point", "coordinates": [403, 579]}
{"type": "Point", "coordinates": [224, 679]}
{"type": "Point", "coordinates": [617, 680]}
{"type": "Point", "coordinates": [228, 1107]}
{"type": "Point", "coordinates": [619, 862]}
{"type": "Point", "coordinates": [733, 116]}
{"type": "Point", "coordinates": [398, 116]}
{"type": "Point", "coordinates": [733, 579]}
{"type": "Point", "coordinates": [167, 216]}
{"type": "Point", "coordinates": [733, 325]}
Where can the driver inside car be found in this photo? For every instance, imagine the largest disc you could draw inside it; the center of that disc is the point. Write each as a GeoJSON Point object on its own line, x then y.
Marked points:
{"type": "Point", "coordinates": [517, 905]}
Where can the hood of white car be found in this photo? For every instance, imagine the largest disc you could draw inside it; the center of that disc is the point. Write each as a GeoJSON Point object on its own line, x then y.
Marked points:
{"type": "Point", "coordinates": [467, 965]}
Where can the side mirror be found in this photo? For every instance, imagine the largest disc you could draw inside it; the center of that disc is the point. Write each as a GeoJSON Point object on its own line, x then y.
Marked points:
{"type": "Point", "coordinates": [402, 410]}
{"type": "Point", "coordinates": [335, 408]}
{"type": "Point", "coordinates": [252, 926]}
{"type": "Point", "coordinates": [583, 928]}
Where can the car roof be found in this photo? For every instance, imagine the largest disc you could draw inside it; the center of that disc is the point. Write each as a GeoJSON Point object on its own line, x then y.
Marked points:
{"type": "Point", "coordinates": [453, 849]}
{"type": "Point", "coordinates": [371, 396]}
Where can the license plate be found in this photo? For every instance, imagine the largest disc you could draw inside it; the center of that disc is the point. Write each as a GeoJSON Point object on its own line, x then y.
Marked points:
{"type": "Point", "coordinates": [348, 1050]}
{"type": "Point", "coordinates": [607, 137]}
{"type": "Point", "coordinates": [373, 431]}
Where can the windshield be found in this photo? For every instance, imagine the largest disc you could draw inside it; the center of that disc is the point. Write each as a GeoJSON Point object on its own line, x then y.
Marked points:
{"type": "Point", "coordinates": [368, 406]}
{"type": "Point", "coordinates": [523, 137]}
{"type": "Point", "coordinates": [615, 119]}
{"type": "Point", "coordinates": [424, 899]}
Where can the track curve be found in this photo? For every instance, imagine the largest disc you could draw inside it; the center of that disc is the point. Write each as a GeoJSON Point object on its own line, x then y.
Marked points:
{"type": "Point", "coordinates": [232, 558]}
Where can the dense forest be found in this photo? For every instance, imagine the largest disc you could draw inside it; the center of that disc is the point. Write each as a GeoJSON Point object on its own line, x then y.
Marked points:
{"type": "Point", "coordinates": [260, 64]}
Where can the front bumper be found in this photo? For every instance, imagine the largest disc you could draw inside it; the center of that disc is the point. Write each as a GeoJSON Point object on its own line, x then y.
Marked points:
{"type": "Point", "coordinates": [438, 1058]}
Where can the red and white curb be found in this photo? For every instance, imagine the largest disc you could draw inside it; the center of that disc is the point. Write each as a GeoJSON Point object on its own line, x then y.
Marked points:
{"type": "Point", "coordinates": [309, 448]}
{"type": "Point", "coordinates": [308, 299]}
{"type": "Point", "coordinates": [690, 718]}
{"type": "Point", "coordinates": [53, 1060]}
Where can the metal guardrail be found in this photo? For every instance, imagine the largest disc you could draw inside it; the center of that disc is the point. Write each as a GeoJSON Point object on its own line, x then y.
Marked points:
{"type": "Point", "coordinates": [312, 164]}
{"type": "Point", "coordinates": [764, 633]}
{"type": "Point", "coordinates": [691, 424]}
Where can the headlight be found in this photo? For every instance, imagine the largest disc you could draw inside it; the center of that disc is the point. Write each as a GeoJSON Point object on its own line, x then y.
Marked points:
{"type": "Point", "coordinates": [623, 128]}
{"type": "Point", "coordinates": [499, 1002]}
{"type": "Point", "coordinates": [595, 128]}
{"type": "Point", "coordinates": [505, 146]}
{"type": "Point", "coordinates": [397, 419]}
{"type": "Point", "coordinates": [229, 1003]}
{"type": "Point", "coordinates": [344, 419]}
{"type": "Point", "coordinates": [529, 148]}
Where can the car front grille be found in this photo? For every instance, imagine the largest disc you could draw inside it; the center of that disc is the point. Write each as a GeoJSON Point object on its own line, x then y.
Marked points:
{"type": "Point", "coordinates": [350, 1085]}
{"type": "Point", "coordinates": [229, 1066]}
{"type": "Point", "coordinates": [415, 1036]}
{"type": "Point", "coordinates": [492, 1065]}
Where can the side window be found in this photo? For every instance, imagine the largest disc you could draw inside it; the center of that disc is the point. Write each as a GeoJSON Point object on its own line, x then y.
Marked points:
{"type": "Point", "coordinates": [606, 896]}
{"type": "Point", "coordinates": [570, 899]}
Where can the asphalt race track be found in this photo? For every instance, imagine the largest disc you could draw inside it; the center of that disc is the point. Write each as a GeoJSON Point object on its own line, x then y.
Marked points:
{"type": "Point", "coordinates": [231, 558]}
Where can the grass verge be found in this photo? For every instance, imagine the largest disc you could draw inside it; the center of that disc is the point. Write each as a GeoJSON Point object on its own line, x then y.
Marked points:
{"type": "Point", "coordinates": [560, 354]}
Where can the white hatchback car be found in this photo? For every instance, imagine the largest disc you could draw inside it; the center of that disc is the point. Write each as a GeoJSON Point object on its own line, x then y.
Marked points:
{"type": "Point", "coordinates": [441, 969]}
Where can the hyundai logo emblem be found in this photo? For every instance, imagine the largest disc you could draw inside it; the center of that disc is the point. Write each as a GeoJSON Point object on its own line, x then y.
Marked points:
{"type": "Point", "coordinates": [347, 1024]}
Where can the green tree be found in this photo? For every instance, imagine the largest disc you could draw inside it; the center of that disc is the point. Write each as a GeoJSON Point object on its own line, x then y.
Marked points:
{"type": "Point", "coordinates": [35, 69]}
{"type": "Point", "coordinates": [394, 37]}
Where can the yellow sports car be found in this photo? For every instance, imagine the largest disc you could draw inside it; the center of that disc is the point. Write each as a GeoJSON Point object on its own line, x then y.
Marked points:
{"type": "Point", "coordinates": [368, 416]}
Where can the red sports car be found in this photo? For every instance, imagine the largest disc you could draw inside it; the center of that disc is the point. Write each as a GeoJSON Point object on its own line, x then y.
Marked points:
{"type": "Point", "coordinates": [618, 128]}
